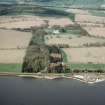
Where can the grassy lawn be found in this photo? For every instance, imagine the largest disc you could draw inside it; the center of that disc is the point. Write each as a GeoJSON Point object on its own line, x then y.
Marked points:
{"type": "Point", "coordinates": [10, 67]}
{"type": "Point", "coordinates": [81, 66]}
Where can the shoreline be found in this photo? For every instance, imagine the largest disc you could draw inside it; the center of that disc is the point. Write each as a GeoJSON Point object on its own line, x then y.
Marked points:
{"type": "Point", "coordinates": [89, 78]}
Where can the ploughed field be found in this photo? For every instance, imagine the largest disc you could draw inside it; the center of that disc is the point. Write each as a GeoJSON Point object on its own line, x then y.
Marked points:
{"type": "Point", "coordinates": [13, 45]}
{"type": "Point", "coordinates": [10, 39]}
{"type": "Point", "coordinates": [86, 55]}
{"type": "Point", "coordinates": [73, 40]}
{"type": "Point", "coordinates": [19, 21]}
{"type": "Point", "coordinates": [94, 25]}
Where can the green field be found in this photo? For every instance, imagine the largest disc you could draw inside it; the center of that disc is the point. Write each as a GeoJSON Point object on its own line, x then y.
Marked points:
{"type": "Point", "coordinates": [92, 67]}
{"type": "Point", "coordinates": [10, 67]}
{"type": "Point", "coordinates": [64, 56]}
{"type": "Point", "coordinates": [97, 13]}
{"type": "Point", "coordinates": [82, 66]}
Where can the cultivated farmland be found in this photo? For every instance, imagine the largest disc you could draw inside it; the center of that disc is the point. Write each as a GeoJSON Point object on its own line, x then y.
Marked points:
{"type": "Point", "coordinates": [94, 25]}
{"type": "Point", "coordinates": [12, 56]}
{"type": "Point", "coordinates": [13, 45]}
{"type": "Point", "coordinates": [96, 31]}
{"type": "Point", "coordinates": [89, 18]}
{"type": "Point", "coordinates": [14, 39]}
{"type": "Point", "coordinates": [23, 22]}
{"type": "Point", "coordinates": [73, 40]}
{"type": "Point", "coordinates": [93, 55]}
{"type": "Point", "coordinates": [80, 43]}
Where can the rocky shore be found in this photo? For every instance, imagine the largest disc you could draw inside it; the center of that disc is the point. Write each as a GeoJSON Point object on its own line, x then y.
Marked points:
{"type": "Point", "coordinates": [90, 78]}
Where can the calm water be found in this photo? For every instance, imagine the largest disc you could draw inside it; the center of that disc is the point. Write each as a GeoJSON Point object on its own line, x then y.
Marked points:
{"type": "Point", "coordinates": [25, 91]}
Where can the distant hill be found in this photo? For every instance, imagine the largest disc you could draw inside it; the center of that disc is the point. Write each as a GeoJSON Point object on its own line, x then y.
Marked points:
{"type": "Point", "coordinates": [80, 3]}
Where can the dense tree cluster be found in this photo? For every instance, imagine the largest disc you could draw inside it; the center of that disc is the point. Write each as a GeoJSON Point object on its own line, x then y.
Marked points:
{"type": "Point", "coordinates": [36, 59]}
{"type": "Point", "coordinates": [37, 55]}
